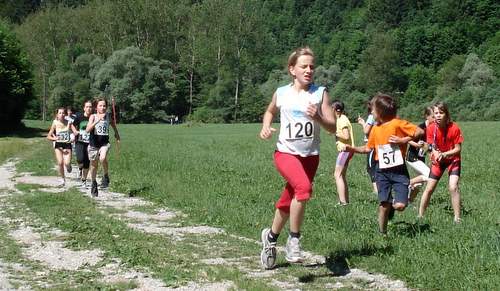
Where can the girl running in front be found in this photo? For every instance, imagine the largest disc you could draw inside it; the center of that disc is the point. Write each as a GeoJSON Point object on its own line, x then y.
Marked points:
{"type": "Point", "coordinates": [367, 127]}
{"type": "Point", "coordinates": [415, 157]}
{"type": "Point", "coordinates": [388, 139]}
{"type": "Point", "coordinates": [445, 138]}
{"type": "Point", "coordinates": [303, 108]}
{"type": "Point", "coordinates": [98, 127]}
{"type": "Point", "coordinates": [343, 136]}
{"type": "Point", "coordinates": [61, 133]}
{"type": "Point", "coordinates": [82, 142]}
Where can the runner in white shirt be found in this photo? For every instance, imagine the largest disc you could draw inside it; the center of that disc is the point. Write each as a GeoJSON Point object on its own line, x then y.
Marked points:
{"type": "Point", "coordinates": [303, 108]}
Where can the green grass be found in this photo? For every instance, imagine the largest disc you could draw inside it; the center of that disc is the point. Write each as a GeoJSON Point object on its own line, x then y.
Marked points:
{"type": "Point", "coordinates": [223, 175]}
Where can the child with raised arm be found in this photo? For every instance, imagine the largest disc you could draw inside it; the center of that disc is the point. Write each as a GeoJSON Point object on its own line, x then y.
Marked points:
{"type": "Point", "coordinates": [445, 138]}
{"type": "Point", "coordinates": [343, 136]}
{"type": "Point", "coordinates": [388, 139]}
{"type": "Point", "coordinates": [304, 108]}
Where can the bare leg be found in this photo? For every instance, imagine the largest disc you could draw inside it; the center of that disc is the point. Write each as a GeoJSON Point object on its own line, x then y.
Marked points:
{"type": "Point", "coordinates": [93, 169]}
{"type": "Point", "coordinates": [383, 216]}
{"type": "Point", "coordinates": [426, 196]}
{"type": "Point", "coordinates": [417, 180]}
{"type": "Point", "coordinates": [414, 189]}
{"type": "Point", "coordinates": [297, 210]}
{"type": "Point", "coordinates": [60, 162]}
{"type": "Point", "coordinates": [85, 173]}
{"type": "Point", "coordinates": [340, 181]}
{"type": "Point", "coordinates": [67, 158]}
{"type": "Point", "coordinates": [455, 196]}
{"type": "Point", "coordinates": [103, 157]}
{"type": "Point", "coordinates": [279, 221]}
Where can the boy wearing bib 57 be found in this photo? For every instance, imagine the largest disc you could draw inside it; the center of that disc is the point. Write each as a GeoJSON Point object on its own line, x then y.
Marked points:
{"type": "Point", "coordinates": [388, 139]}
{"type": "Point", "coordinates": [98, 127]}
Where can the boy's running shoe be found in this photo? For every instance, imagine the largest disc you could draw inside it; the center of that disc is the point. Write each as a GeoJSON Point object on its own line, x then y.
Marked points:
{"type": "Point", "coordinates": [293, 254]}
{"type": "Point", "coordinates": [94, 192]}
{"type": "Point", "coordinates": [268, 254]}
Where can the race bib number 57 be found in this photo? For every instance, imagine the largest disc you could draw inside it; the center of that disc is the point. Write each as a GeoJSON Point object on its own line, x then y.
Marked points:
{"type": "Point", "coordinates": [389, 156]}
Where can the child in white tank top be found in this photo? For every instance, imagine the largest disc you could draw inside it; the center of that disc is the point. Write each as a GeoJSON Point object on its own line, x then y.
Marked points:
{"type": "Point", "coordinates": [303, 108]}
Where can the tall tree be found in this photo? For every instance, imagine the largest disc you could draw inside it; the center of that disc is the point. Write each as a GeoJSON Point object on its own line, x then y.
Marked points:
{"type": "Point", "coordinates": [15, 80]}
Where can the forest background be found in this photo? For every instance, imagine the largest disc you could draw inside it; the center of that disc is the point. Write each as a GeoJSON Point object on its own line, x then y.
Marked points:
{"type": "Point", "coordinates": [220, 60]}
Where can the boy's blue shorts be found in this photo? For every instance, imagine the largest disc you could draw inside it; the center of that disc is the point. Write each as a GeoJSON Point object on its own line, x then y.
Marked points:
{"type": "Point", "coordinates": [394, 180]}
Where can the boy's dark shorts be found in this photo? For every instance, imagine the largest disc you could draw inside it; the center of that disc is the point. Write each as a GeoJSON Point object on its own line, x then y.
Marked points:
{"type": "Point", "coordinates": [371, 165]}
{"type": "Point", "coordinates": [394, 180]}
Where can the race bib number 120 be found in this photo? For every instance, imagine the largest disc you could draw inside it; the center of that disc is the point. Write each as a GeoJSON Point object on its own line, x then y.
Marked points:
{"type": "Point", "coordinates": [300, 130]}
{"type": "Point", "coordinates": [389, 156]}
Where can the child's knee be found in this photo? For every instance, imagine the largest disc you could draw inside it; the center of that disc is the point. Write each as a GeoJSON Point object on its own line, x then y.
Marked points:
{"type": "Point", "coordinates": [399, 206]}
{"type": "Point", "coordinates": [453, 188]}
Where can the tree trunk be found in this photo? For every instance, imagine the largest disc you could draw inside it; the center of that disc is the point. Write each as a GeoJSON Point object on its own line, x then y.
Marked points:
{"type": "Point", "coordinates": [44, 97]}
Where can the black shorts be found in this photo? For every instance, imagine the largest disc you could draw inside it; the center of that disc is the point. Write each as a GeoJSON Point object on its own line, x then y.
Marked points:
{"type": "Point", "coordinates": [371, 165]}
{"type": "Point", "coordinates": [395, 180]}
{"type": "Point", "coordinates": [62, 145]}
{"type": "Point", "coordinates": [82, 154]}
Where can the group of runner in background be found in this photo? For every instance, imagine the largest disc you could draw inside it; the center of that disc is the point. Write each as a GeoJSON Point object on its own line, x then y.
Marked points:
{"type": "Point", "coordinates": [304, 107]}
{"type": "Point", "coordinates": [87, 134]}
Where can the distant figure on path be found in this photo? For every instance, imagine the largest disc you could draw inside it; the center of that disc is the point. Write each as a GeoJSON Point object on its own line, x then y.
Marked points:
{"type": "Point", "coordinates": [303, 108]}
{"type": "Point", "coordinates": [445, 138]}
{"type": "Point", "coordinates": [98, 127]}
{"type": "Point", "coordinates": [61, 133]}
{"type": "Point", "coordinates": [388, 139]}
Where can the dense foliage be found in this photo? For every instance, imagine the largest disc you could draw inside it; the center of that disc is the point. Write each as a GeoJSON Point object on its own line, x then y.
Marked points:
{"type": "Point", "coordinates": [220, 60]}
{"type": "Point", "coordinates": [16, 88]}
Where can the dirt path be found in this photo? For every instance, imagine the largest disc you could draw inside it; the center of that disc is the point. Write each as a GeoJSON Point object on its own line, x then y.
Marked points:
{"type": "Point", "coordinates": [212, 247]}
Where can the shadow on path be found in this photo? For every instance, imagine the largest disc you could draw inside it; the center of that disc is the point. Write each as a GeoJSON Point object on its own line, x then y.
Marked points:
{"type": "Point", "coordinates": [24, 132]}
{"type": "Point", "coordinates": [337, 263]}
{"type": "Point", "coordinates": [411, 229]}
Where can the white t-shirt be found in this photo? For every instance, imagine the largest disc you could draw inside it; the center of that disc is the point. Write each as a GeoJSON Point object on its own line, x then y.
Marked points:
{"type": "Point", "coordinates": [371, 121]}
{"type": "Point", "coordinates": [299, 134]}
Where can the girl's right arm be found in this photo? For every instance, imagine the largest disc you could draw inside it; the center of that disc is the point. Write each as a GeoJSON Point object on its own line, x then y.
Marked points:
{"type": "Point", "coordinates": [91, 124]}
{"type": "Point", "coordinates": [359, 150]}
{"type": "Point", "coordinates": [267, 131]}
{"type": "Point", "coordinates": [50, 135]}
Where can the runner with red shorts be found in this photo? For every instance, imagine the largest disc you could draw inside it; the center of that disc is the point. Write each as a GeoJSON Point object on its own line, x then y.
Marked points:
{"type": "Point", "coordinates": [446, 139]}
